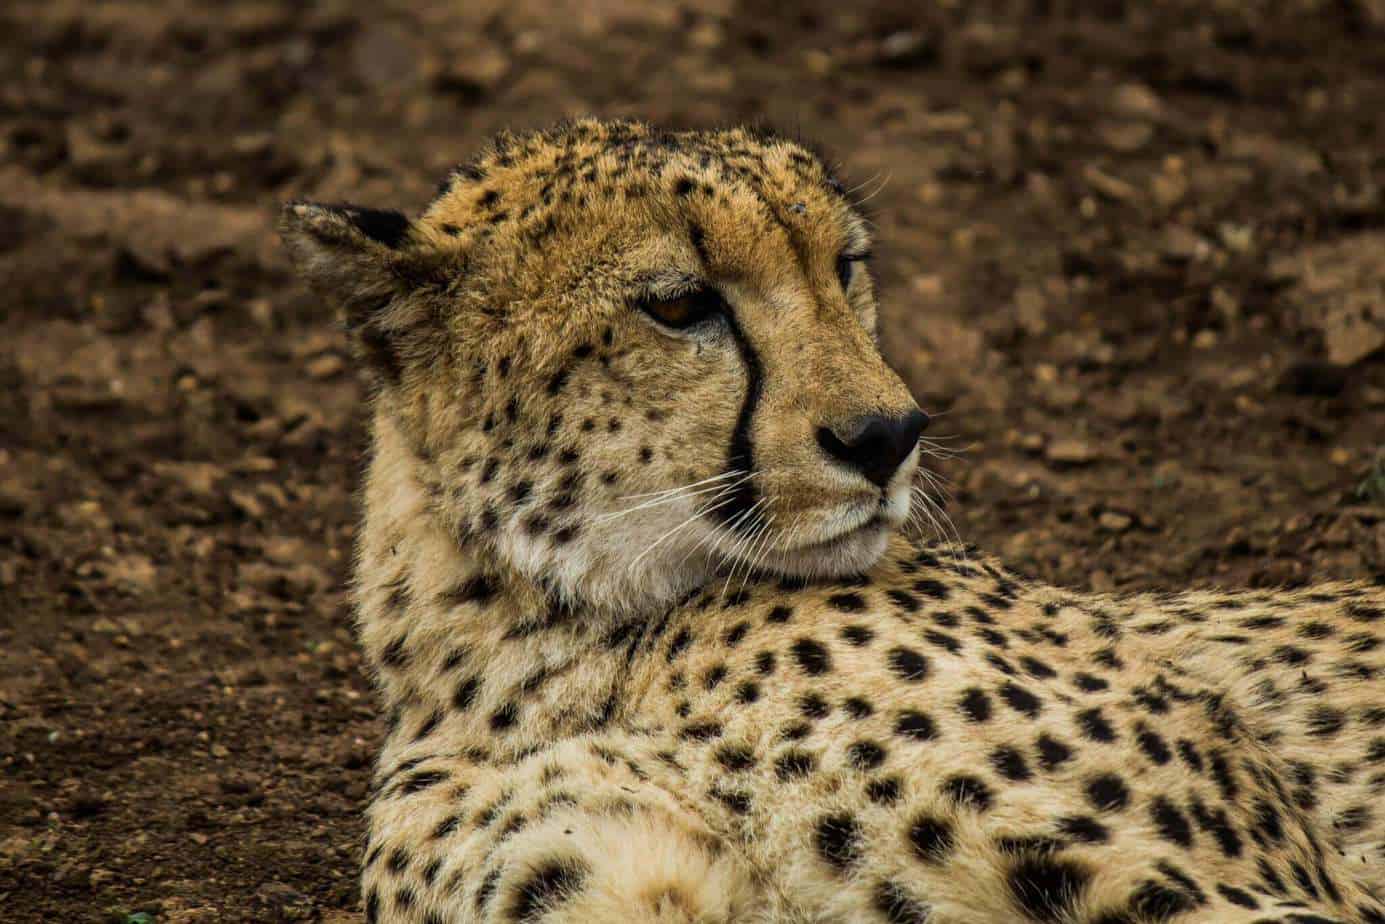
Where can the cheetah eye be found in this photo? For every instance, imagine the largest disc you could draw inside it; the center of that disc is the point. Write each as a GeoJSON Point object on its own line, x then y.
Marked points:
{"type": "Point", "coordinates": [846, 264]}
{"type": "Point", "coordinates": [684, 311]}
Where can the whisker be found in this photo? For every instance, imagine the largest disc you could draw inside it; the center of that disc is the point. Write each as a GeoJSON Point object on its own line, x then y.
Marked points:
{"type": "Point", "coordinates": [727, 474]}
{"type": "Point", "coordinates": [680, 494]}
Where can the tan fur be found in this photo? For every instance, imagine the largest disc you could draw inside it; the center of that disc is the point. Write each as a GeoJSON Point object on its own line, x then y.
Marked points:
{"type": "Point", "coordinates": [611, 703]}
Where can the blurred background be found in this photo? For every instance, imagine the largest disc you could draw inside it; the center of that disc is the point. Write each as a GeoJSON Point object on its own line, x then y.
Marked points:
{"type": "Point", "coordinates": [1133, 252]}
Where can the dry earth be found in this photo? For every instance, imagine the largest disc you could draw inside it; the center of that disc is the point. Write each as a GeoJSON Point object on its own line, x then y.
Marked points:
{"type": "Point", "coordinates": [1134, 251]}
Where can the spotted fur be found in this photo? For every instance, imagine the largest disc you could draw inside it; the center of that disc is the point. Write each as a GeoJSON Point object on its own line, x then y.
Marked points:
{"type": "Point", "coordinates": [755, 700]}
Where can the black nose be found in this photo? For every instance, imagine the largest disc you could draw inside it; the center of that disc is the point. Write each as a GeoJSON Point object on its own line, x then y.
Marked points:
{"type": "Point", "coordinates": [875, 445]}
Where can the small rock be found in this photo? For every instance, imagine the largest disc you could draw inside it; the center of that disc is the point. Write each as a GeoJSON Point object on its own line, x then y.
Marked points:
{"type": "Point", "coordinates": [325, 366]}
{"type": "Point", "coordinates": [1340, 288]}
{"type": "Point", "coordinates": [248, 504]}
{"type": "Point", "coordinates": [132, 572]}
{"type": "Point", "coordinates": [1180, 243]}
{"type": "Point", "coordinates": [1125, 137]}
{"type": "Point", "coordinates": [907, 49]}
{"type": "Point", "coordinates": [1070, 452]}
{"type": "Point", "coordinates": [474, 71]}
{"type": "Point", "coordinates": [1136, 100]}
{"type": "Point", "coordinates": [1114, 522]}
{"type": "Point", "coordinates": [1109, 186]}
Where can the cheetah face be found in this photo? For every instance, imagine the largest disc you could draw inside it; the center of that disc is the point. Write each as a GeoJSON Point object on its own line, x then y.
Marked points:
{"type": "Point", "coordinates": [627, 361]}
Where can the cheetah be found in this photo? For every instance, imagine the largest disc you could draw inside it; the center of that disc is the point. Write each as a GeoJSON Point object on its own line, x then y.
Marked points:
{"type": "Point", "coordinates": [656, 644]}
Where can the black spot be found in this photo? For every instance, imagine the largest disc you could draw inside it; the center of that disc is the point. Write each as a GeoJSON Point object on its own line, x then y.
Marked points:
{"type": "Point", "coordinates": [812, 657]}
{"type": "Point", "coordinates": [399, 860]}
{"type": "Point", "coordinates": [764, 662]}
{"type": "Point", "coordinates": [477, 589]}
{"type": "Point", "coordinates": [1158, 902]}
{"type": "Point", "coordinates": [780, 614]}
{"type": "Point", "coordinates": [394, 654]}
{"type": "Point", "coordinates": [1153, 745]}
{"type": "Point", "coordinates": [1084, 828]}
{"type": "Point", "coordinates": [446, 826]}
{"type": "Point", "coordinates": [735, 634]}
{"type": "Point", "coordinates": [969, 791]}
{"type": "Point", "coordinates": [1325, 721]}
{"type": "Point", "coordinates": [865, 755]}
{"type": "Point", "coordinates": [1089, 683]}
{"type": "Point", "coordinates": [793, 764]}
{"type": "Point", "coordinates": [737, 802]}
{"type": "Point", "coordinates": [1094, 725]}
{"type": "Point", "coordinates": [505, 717]}
{"type": "Point", "coordinates": [546, 886]}
{"type": "Point", "coordinates": [1046, 887]}
{"type": "Point", "coordinates": [748, 692]}
{"type": "Point", "coordinates": [898, 907]}
{"type": "Point", "coordinates": [1171, 823]}
{"type": "Point", "coordinates": [904, 600]}
{"type": "Point", "coordinates": [1216, 823]}
{"type": "Point", "coordinates": [975, 705]}
{"type": "Point", "coordinates": [908, 664]}
{"type": "Point", "coordinates": [422, 780]}
{"type": "Point", "coordinates": [838, 840]}
{"type": "Point", "coordinates": [1010, 764]}
{"type": "Point", "coordinates": [814, 706]}
{"type": "Point", "coordinates": [735, 758]}
{"type": "Point", "coordinates": [858, 708]}
{"type": "Point", "coordinates": [847, 603]}
{"type": "Point", "coordinates": [685, 186]}
{"type": "Point", "coordinates": [487, 888]}
{"type": "Point", "coordinates": [915, 725]}
{"type": "Point", "coordinates": [1360, 612]}
{"type": "Point", "coordinates": [1267, 823]}
{"type": "Point", "coordinates": [1224, 777]}
{"type": "Point", "coordinates": [429, 726]}
{"type": "Point", "coordinates": [1052, 752]}
{"type": "Point", "coordinates": [1107, 792]}
{"type": "Point", "coordinates": [883, 791]}
{"type": "Point", "coordinates": [857, 635]}
{"type": "Point", "coordinates": [1237, 896]}
{"type": "Point", "coordinates": [558, 381]}
{"type": "Point", "coordinates": [931, 838]}
{"type": "Point", "coordinates": [701, 731]}
{"type": "Point", "coordinates": [1021, 700]}
{"type": "Point", "coordinates": [679, 644]}
{"type": "Point", "coordinates": [931, 588]}
{"type": "Point", "coordinates": [372, 907]}
{"type": "Point", "coordinates": [1189, 752]}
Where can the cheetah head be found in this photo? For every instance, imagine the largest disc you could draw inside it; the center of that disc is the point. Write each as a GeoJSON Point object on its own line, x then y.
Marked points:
{"type": "Point", "coordinates": [622, 360]}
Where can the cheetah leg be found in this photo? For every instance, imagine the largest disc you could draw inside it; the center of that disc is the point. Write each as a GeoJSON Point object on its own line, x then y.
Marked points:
{"type": "Point", "coordinates": [569, 835]}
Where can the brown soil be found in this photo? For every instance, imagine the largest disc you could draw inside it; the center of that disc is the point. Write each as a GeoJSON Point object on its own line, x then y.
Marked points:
{"type": "Point", "coordinates": [1134, 250]}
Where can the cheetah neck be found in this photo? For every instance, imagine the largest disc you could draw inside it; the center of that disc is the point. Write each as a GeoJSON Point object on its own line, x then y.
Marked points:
{"type": "Point", "coordinates": [461, 644]}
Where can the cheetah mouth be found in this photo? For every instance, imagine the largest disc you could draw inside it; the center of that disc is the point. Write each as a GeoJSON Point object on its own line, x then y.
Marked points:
{"type": "Point", "coordinates": [850, 534]}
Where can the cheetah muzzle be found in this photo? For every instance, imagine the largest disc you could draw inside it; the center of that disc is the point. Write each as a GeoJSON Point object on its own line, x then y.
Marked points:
{"type": "Point", "coordinates": [634, 583]}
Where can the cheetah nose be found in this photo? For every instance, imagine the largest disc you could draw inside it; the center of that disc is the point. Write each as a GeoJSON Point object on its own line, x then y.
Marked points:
{"type": "Point", "coordinates": [875, 445]}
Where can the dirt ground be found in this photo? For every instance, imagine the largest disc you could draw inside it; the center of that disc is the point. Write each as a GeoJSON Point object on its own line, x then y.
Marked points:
{"type": "Point", "coordinates": [1133, 251]}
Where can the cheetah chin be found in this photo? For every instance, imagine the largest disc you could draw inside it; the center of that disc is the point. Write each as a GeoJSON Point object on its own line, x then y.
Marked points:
{"type": "Point", "coordinates": [634, 581]}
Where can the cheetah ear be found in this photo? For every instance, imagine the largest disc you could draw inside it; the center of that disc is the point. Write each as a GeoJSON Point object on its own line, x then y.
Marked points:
{"type": "Point", "coordinates": [348, 254]}
{"type": "Point", "coordinates": [370, 263]}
